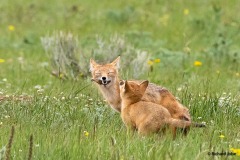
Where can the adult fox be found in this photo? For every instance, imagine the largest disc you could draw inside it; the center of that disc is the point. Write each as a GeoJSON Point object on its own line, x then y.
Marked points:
{"type": "Point", "coordinates": [107, 78]}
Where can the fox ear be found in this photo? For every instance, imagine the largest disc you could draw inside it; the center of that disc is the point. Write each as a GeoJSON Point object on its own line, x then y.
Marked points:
{"type": "Point", "coordinates": [93, 64]}
{"type": "Point", "coordinates": [143, 86]}
{"type": "Point", "coordinates": [124, 84]}
{"type": "Point", "coordinates": [121, 83]}
{"type": "Point", "coordinates": [116, 62]}
{"type": "Point", "coordinates": [127, 86]}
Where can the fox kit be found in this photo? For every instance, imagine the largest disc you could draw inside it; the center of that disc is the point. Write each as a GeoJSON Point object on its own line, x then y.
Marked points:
{"type": "Point", "coordinates": [106, 77]}
{"type": "Point", "coordinates": [145, 117]}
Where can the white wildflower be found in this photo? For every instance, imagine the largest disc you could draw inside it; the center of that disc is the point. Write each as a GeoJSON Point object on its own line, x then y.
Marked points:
{"type": "Point", "coordinates": [44, 64]}
{"type": "Point", "coordinates": [179, 89]}
{"type": "Point", "coordinates": [38, 87]}
{"type": "Point", "coordinates": [7, 116]}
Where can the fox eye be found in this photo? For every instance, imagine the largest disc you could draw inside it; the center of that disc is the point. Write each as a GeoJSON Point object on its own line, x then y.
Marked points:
{"type": "Point", "coordinates": [97, 73]}
{"type": "Point", "coordinates": [110, 72]}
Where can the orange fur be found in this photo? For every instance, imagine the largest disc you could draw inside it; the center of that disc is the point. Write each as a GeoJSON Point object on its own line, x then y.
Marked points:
{"type": "Point", "coordinates": [109, 91]}
{"type": "Point", "coordinates": [145, 117]}
{"type": "Point", "coordinates": [153, 93]}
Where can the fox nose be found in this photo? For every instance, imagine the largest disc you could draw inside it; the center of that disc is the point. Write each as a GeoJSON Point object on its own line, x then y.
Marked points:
{"type": "Point", "coordinates": [104, 78]}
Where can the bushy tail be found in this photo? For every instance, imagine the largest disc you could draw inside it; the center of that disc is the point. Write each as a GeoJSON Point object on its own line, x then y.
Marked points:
{"type": "Point", "coordinates": [199, 125]}
{"type": "Point", "coordinates": [184, 124]}
{"type": "Point", "coordinates": [179, 123]}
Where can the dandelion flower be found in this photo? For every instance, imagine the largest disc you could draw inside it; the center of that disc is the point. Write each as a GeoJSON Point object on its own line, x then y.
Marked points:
{"type": "Point", "coordinates": [237, 74]}
{"type": "Point", "coordinates": [197, 63]}
{"type": "Point", "coordinates": [61, 75]}
{"type": "Point", "coordinates": [11, 28]}
{"type": "Point", "coordinates": [185, 11]}
{"type": "Point", "coordinates": [150, 63]}
{"type": "Point", "coordinates": [2, 60]}
{"type": "Point", "coordinates": [86, 133]}
{"type": "Point", "coordinates": [221, 136]}
{"type": "Point", "coordinates": [157, 60]}
{"type": "Point", "coordinates": [235, 150]}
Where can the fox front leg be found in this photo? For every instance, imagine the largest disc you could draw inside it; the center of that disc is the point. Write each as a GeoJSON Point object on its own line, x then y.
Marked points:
{"type": "Point", "coordinates": [174, 131]}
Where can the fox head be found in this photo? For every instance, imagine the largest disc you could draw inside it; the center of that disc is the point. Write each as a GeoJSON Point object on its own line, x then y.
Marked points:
{"type": "Point", "coordinates": [131, 91]}
{"type": "Point", "coordinates": [104, 74]}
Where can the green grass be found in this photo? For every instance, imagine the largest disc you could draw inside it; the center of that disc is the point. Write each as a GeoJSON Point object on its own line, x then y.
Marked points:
{"type": "Point", "coordinates": [58, 115]}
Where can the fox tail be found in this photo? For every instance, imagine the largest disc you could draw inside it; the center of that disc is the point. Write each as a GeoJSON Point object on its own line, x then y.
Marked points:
{"type": "Point", "coordinates": [184, 124]}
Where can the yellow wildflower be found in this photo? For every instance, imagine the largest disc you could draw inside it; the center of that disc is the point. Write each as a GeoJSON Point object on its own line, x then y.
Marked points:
{"type": "Point", "coordinates": [164, 19]}
{"type": "Point", "coordinates": [2, 60]}
{"type": "Point", "coordinates": [81, 75]}
{"type": "Point", "coordinates": [11, 28]}
{"type": "Point", "coordinates": [235, 150]}
{"type": "Point", "coordinates": [61, 75]}
{"type": "Point", "coordinates": [86, 133]}
{"type": "Point", "coordinates": [197, 63]}
{"type": "Point", "coordinates": [221, 136]}
{"type": "Point", "coordinates": [187, 50]}
{"type": "Point", "coordinates": [150, 62]}
{"type": "Point", "coordinates": [157, 60]}
{"type": "Point", "coordinates": [185, 11]}
{"type": "Point", "coordinates": [218, 72]}
{"type": "Point", "coordinates": [237, 74]}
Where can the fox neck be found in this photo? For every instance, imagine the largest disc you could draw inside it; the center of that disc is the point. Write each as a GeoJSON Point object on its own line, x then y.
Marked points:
{"type": "Point", "coordinates": [128, 101]}
{"type": "Point", "coordinates": [112, 95]}
{"type": "Point", "coordinates": [125, 104]}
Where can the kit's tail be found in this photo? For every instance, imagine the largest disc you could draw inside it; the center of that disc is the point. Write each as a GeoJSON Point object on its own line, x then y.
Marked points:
{"type": "Point", "coordinates": [184, 124]}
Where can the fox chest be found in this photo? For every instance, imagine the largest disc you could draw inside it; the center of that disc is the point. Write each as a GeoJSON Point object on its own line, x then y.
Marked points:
{"type": "Point", "coordinates": [127, 119]}
{"type": "Point", "coordinates": [112, 97]}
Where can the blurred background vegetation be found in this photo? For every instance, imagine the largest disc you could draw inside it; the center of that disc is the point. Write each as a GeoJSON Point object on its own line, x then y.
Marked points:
{"type": "Point", "coordinates": [165, 29]}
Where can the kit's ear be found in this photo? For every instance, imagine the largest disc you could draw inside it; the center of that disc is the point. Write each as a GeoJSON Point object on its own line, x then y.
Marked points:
{"type": "Point", "coordinates": [122, 83]}
{"type": "Point", "coordinates": [116, 62]}
{"type": "Point", "coordinates": [143, 86]}
{"type": "Point", "coordinates": [122, 86]}
{"type": "Point", "coordinates": [93, 64]}
{"type": "Point", "coordinates": [127, 86]}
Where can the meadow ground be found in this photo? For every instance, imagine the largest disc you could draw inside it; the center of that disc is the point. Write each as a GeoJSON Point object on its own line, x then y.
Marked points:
{"type": "Point", "coordinates": [195, 53]}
